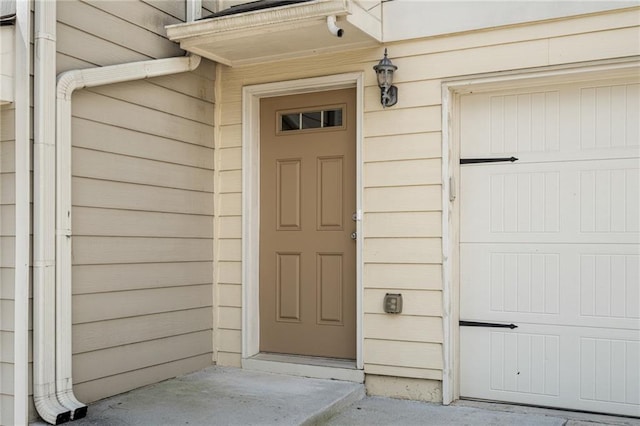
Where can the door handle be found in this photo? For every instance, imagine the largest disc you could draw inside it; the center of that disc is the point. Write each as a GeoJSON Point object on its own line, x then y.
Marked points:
{"type": "Point", "coordinates": [354, 235]}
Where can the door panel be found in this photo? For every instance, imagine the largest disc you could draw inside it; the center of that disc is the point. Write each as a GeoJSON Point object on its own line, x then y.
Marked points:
{"type": "Point", "coordinates": [307, 255]}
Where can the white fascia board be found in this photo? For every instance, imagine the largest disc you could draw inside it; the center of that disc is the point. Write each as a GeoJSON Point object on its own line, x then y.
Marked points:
{"type": "Point", "coordinates": [251, 22]}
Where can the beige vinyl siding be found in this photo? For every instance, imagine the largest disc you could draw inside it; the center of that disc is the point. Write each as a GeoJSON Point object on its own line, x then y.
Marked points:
{"type": "Point", "coordinates": [225, 4]}
{"type": "Point", "coordinates": [142, 194]}
{"type": "Point", "coordinates": [7, 263]}
{"type": "Point", "coordinates": [7, 232]}
{"type": "Point", "coordinates": [209, 7]}
{"type": "Point", "coordinates": [176, 9]}
{"type": "Point", "coordinates": [402, 194]}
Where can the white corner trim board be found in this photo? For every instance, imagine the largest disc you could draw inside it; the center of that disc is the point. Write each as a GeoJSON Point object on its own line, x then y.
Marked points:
{"type": "Point", "coordinates": [193, 10]}
{"type": "Point", "coordinates": [22, 214]}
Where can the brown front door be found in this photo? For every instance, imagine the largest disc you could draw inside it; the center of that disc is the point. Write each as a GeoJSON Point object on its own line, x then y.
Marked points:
{"type": "Point", "coordinates": [307, 199]}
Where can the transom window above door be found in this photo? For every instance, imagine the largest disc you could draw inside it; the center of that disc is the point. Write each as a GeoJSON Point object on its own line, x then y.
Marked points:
{"type": "Point", "coordinates": [313, 119]}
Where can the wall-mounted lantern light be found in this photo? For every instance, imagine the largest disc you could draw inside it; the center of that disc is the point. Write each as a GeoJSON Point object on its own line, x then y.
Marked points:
{"type": "Point", "coordinates": [384, 71]}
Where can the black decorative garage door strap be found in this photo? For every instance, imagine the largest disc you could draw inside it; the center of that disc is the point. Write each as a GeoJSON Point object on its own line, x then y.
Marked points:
{"type": "Point", "coordinates": [487, 160]}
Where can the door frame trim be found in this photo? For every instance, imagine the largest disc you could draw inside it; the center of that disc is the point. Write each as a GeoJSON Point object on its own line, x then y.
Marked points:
{"type": "Point", "coordinates": [452, 90]}
{"type": "Point", "coordinates": [251, 96]}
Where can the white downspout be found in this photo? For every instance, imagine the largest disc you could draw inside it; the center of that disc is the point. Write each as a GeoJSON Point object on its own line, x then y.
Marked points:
{"type": "Point", "coordinates": [44, 391]}
{"type": "Point", "coordinates": [68, 82]}
{"type": "Point", "coordinates": [22, 214]}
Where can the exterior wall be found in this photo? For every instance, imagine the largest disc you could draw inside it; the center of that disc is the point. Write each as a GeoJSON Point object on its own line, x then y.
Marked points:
{"type": "Point", "coordinates": [430, 18]}
{"type": "Point", "coordinates": [142, 202]}
{"type": "Point", "coordinates": [402, 175]}
{"type": "Point", "coordinates": [7, 267]}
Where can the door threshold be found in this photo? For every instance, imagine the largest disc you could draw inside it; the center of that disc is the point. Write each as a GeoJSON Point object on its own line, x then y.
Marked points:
{"type": "Point", "coordinates": [305, 366]}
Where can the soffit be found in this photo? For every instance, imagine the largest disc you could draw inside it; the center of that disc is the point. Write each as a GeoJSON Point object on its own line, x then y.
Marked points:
{"type": "Point", "coordinates": [289, 31]}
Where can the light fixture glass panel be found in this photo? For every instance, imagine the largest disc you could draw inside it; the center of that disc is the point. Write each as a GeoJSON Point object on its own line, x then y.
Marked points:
{"type": "Point", "coordinates": [385, 78]}
{"type": "Point", "coordinates": [311, 120]}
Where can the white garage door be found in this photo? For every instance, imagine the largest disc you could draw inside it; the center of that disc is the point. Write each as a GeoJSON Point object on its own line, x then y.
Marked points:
{"type": "Point", "coordinates": [550, 243]}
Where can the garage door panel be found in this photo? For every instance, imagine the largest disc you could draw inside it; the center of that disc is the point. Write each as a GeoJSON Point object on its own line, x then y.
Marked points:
{"type": "Point", "coordinates": [609, 370]}
{"type": "Point", "coordinates": [581, 121]}
{"type": "Point", "coordinates": [609, 200]}
{"type": "Point", "coordinates": [528, 365]}
{"type": "Point", "coordinates": [609, 285]}
{"type": "Point", "coordinates": [518, 122]}
{"type": "Point", "coordinates": [609, 115]}
{"type": "Point", "coordinates": [569, 284]}
{"type": "Point", "coordinates": [520, 362]}
{"type": "Point", "coordinates": [580, 201]}
{"type": "Point", "coordinates": [503, 282]}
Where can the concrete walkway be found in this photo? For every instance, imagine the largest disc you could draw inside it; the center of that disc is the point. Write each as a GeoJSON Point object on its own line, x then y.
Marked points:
{"type": "Point", "coordinates": [229, 396]}
{"type": "Point", "coordinates": [376, 411]}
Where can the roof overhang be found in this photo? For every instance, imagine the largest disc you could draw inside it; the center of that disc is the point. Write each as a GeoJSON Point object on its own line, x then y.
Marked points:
{"type": "Point", "coordinates": [290, 31]}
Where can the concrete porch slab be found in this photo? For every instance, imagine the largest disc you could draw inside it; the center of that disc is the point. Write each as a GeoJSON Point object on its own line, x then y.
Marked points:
{"type": "Point", "coordinates": [232, 396]}
{"type": "Point", "coordinates": [226, 396]}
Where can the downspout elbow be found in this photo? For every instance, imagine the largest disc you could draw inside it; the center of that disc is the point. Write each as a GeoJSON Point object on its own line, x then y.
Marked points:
{"type": "Point", "coordinates": [67, 83]}
{"type": "Point", "coordinates": [49, 412]}
{"type": "Point", "coordinates": [333, 28]}
{"type": "Point", "coordinates": [194, 61]}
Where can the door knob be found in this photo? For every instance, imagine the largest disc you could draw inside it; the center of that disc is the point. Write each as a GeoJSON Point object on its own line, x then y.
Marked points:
{"type": "Point", "coordinates": [354, 235]}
